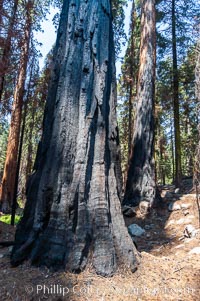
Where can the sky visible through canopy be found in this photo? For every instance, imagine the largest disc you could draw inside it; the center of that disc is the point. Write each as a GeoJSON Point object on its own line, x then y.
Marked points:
{"type": "Point", "coordinates": [48, 36]}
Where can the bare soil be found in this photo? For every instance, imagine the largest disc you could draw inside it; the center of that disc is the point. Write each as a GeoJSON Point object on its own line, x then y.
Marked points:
{"type": "Point", "coordinates": [169, 269]}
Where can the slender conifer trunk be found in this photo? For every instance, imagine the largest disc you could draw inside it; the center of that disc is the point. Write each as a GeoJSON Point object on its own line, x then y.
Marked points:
{"type": "Point", "coordinates": [9, 174]}
{"type": "Point", "coordinates": [175, 86]}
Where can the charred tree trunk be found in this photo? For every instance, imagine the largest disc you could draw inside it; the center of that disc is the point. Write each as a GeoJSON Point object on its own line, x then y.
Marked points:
{"type": "Point", "coordinates": [140, 185]}
{"type": "Point", "coordinates": [4, 62]}
{"type": "Point", "coordinates": [73, 215]}
{"type": "Point", "coordinates": [177, 135]}
{"type": "Point", "coordinates": [9, 174]}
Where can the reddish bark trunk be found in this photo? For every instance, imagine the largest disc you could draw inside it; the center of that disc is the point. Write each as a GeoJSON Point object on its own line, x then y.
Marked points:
{"type": "Point", "coordinates": [8, 180]}
{"type": "Point", "coordinates": [5, 59]}
{"type": "Point", "coordinates": [140, 184]}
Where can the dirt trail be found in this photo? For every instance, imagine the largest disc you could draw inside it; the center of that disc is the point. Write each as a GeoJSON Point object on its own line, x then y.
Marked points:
{"type": "Point", "coordinates": [169, 269]}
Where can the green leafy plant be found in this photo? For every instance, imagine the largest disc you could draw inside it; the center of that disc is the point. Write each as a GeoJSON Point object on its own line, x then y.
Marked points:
{"type": "Point", "coordinates": [6, 218]}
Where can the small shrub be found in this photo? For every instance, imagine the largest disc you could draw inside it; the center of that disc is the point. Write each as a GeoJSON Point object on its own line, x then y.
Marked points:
{"type": "Point", "coordinates": [6, 218]}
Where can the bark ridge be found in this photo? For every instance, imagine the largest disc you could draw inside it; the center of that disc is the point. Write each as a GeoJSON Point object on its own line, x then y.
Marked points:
{"type": "Point", "coordinates": [73, 214]}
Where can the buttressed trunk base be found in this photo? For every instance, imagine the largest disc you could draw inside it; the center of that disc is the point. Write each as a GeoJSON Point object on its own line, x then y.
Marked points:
{"type": "Point", "coordinates": [73, 210]}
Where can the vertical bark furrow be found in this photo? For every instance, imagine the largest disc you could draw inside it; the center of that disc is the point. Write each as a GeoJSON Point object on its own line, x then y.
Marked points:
{"type": "Point", "coordinates": [74, 221]}
{"type": "Point", "coordinates": [7, 187]}
{"type": "Point", "coordinates": [140, 184]}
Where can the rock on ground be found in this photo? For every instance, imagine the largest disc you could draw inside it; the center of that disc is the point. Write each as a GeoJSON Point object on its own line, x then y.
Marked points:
{"type": "Point", "coordinates": [135, 230]}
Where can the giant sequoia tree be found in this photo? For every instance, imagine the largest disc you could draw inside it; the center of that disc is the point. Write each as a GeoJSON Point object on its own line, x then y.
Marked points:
{"type": "Point", "coordinates": [8, 180]}
{"type": "Point", "coordinates": [72, 215]}
{"type": "Point", "coordinates": [4, 60]}
{"type": "Point", "coordinates": [140, 184]}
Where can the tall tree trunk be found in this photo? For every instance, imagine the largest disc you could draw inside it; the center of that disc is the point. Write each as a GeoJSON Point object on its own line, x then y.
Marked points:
{"type": "Point", "coordinates": [197, 92]}
{"type": "Point", "coordinates": [175, 86]}
{"type": "Point", "coordinates": [130, 119]}
{"type": "Point", "coordinates": [73, 214]}
{"type": "Point", "coordinates": [140, 185]}
{"type": "Point", "coordinates": [31, 126]}
{"type": "Point", "coordinates": [161, 158]}
{"type": "Point", "coordinates": [14, 200]}
{"type": "Point", "coordinates": [172, 150]}
{"type": "Point", "coordinates": [132, 79]}
{"type": "Point", "coordinates": [5, 59]}
{"type": "Point", "coordinates": [129, 75]}
{"type": "Point", "coordinates": [29, 160]}
{"type": "Point", "coordinates": [1, 14]}
{"type": "Point", "coordinates": [8, 180]}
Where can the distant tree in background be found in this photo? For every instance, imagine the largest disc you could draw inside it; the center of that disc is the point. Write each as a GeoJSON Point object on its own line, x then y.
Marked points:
{"type": "Point", "coordinates": [197, 86]}
{"type": "Point", "coordinates": [127, 86]}
{"type": "Point", "coordinates": [176, 35]}
{"type": "Point", "coordinates": [164, 117]}
{"type": "Point", "coordinates": [140, 185]}
{"type": "Point", "coordinates": [6, 45]}
{"type": "Point", "coordinates": [175, 86]}
{"type": "Point", "coordinates": [8, 180]}
{"type": "Point", "coordinates": [25, 18]}
{"type": "Point", "coordinates": [118, 24]}
{"type": "Point", "coordinates": [35, 100]}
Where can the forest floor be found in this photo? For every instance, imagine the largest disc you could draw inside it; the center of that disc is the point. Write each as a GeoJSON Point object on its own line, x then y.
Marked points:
{"type": "Point", "coordinates": [169, 269]}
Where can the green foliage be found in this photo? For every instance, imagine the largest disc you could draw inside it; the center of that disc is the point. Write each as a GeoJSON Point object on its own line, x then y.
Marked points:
{"type": "Point", "coordinates": [187, 17]}
{"type": "Point", "coordinates": [4, 127]}
{"type": "Point", "coordinates": [36, 99]}
{"type": "Point", "coordinates": [123, 111]}
{"type": "Point", "coordinates": [7, 219]}
{"type": "Point", "coordinates": [118, 24]}
{"type": "Point", "coordinates": [197, 93]}
{"type": "Point", "coordinates": [164, 114]}
{"type": "Point", "coordinates": [127, 86]}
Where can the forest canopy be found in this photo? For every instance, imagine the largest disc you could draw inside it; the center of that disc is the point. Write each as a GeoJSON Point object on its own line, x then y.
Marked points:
{"type": "Point", "coordinates": [79, 148]}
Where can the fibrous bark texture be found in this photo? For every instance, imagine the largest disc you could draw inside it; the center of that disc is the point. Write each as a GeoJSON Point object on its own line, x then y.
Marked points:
{"type": "Point", "coordinates": [9, 175]}
{"type": "Point", "coordinates": [73, 216]}
{"type": "Point", "coordinates": [140, 184]}
{"type": "Point", "coordinates": [4, 61]}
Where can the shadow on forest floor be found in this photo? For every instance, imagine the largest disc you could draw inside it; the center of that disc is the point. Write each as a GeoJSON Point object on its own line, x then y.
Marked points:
{"type": "Point", "coordinates": [168, 270]}
{"type": "Point", "coordinates": [165, 226]}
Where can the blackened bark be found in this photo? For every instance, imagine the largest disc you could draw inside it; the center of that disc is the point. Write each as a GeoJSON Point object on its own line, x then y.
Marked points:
{"type": "Point", "coordinates": [140, 185]}
{"type": "Point", "coordinates": [73, 215]}
{"type": "Point", "coordinates": [177, 135]}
